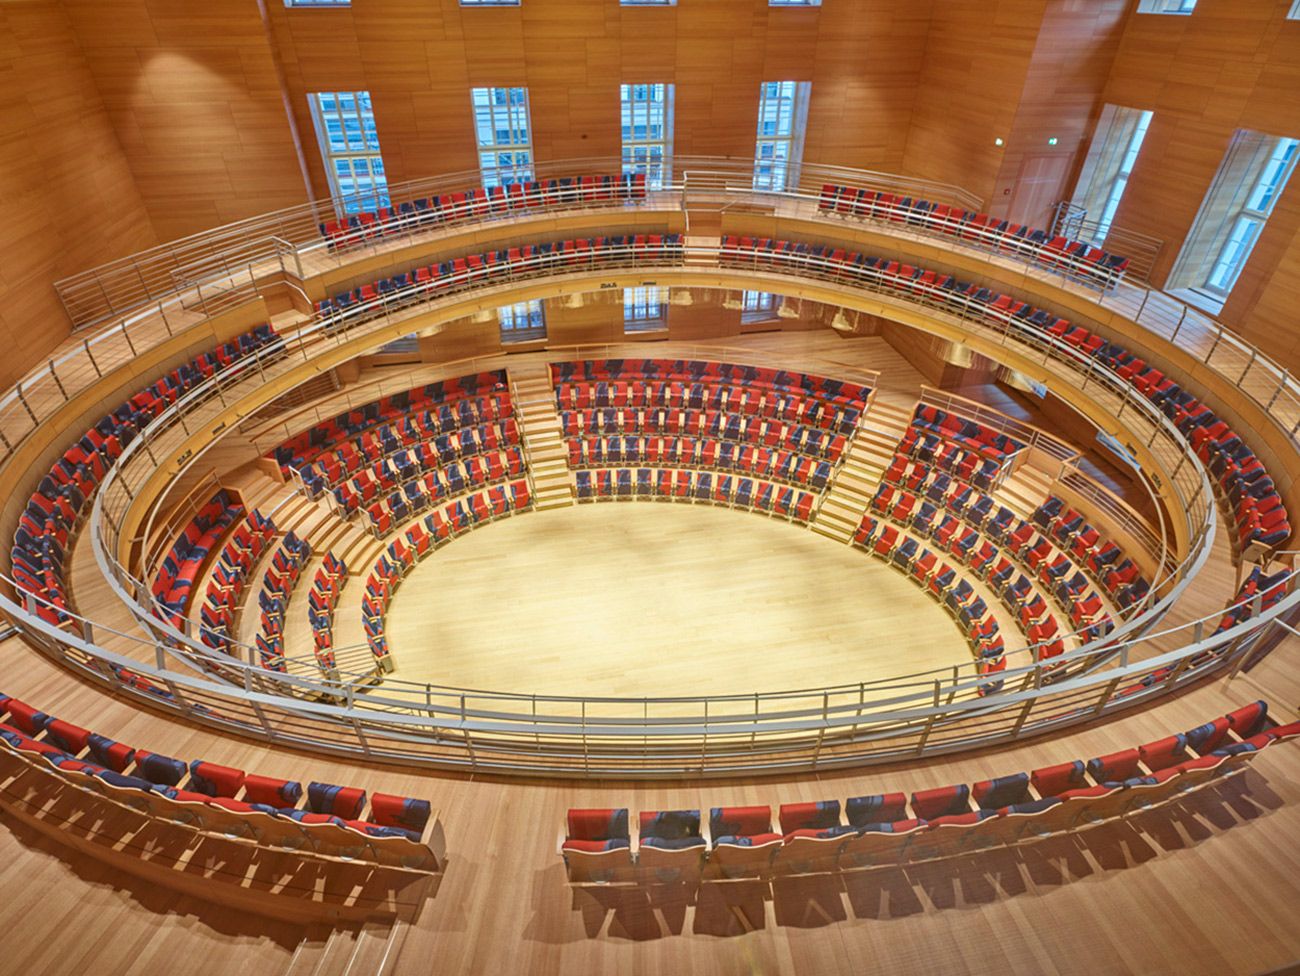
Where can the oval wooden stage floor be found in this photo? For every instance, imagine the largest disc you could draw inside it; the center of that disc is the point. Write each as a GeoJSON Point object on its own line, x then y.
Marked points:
{"type": "Point", "coordinates": [646, 598]}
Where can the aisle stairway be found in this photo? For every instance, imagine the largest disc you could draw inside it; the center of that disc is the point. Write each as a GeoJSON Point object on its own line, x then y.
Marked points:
{"type": "Point", "coordinates": [868, 454]}
{"type": "Point", "coordinates": [539, 425]}
{"type": "Point", "coordinates": [371, 949]}
{"type": "Point", "coordinates": [1024, 490]}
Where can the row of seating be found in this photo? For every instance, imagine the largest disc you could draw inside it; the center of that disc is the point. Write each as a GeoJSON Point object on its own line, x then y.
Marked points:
{"type": "Point", "coordinates": [971, 435]}
{"type": "Point", "coordinates": [1072, 533]}
{"type": "Point", "coordinates": [479, 202]}
{"type": "Point", "coordinates": [322, 600]}
{"type": "Point", "coordinates": [687, 452]}
{"type": "Point", "coordinates": [441, 483]}
{"type": "Point", "coordinates": [333, 820]}
{"type": "Point", "coordinates": [229, 577]}
{"type": "Point", "coordinates": [362, 485]}
{"type": "Point", "coordinates": [892, 828]}
{"type": "Point", "coordinates": [1077, 259]}
{"type": "Point", "coordinates": [482, 390]}
{"type": "Point", "coordinates": [1018, 540]}
{"type": "Point", "coordinates": [833, 392]}
{"type": "Point", "coordinates": [456, 274]}
{"type": "Point", "coordinates": [934, 454]}
{"type": "Point", "coordinates": [57, 506]}
{"type": "Point", "coordinates": [183, 563]}
{"type": "Point", "coordinates": [737, 428]}
{"type": "Point", "coordinates": [433, 531]}
{"type": "Point", "coordinates": [441, 429]}
{"type": "Point", "coordinates": [955, 594]}
{"type": "Point", "coordinates": [666, 484]}
{"type": "Point", "coordinates": [718, 397]}
{"type": "Point", "coordinates": [288, 560]}
{"type": "Point", "coordinates": [1256, 508]}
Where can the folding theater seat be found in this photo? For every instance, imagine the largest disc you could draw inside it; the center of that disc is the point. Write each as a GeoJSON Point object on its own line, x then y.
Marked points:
{"type": "Point", "coordinates": [670, 848]}
{"type": "Point", "coordinates": [598, 847]}
{"type": "Point", "coordinates": [944, 801]}
{"type": "Point", "coordinates": [813, 836]}
{"type": "Point", "coordinates": [743, 840]}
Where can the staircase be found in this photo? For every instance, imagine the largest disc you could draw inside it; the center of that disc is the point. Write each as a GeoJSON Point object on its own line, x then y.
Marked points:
{"type": "Point", "coordinates": [539, 425]}
{"type": "Point", "coordinates": [867, 457]}
{"type": "Point", "coordinates": [1024, 490]}
{"type": "Point", "coordinates": [369, 950]}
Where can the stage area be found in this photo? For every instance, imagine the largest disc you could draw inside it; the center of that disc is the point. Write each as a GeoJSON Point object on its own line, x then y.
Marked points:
{"type": "Point", "coordinates": [660, 599]}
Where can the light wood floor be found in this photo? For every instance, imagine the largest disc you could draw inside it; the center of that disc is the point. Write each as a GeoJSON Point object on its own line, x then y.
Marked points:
{"type": "Point", "coordinates": [653, 598]}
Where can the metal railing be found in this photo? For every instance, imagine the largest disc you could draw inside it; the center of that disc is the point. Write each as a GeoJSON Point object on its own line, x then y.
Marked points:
{"type": "Point", "coordinates": [166, 434]}
{"type": "Point", "coordinates": [821, 728]}
{"type": "Point", "coordinates": [166, 301]}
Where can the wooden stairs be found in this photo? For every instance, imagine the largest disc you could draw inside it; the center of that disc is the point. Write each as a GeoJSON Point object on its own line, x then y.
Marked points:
{"type": "Point", "coordinates": [543, 439]}
{"type": "Point", "coordinates": [868, 455]}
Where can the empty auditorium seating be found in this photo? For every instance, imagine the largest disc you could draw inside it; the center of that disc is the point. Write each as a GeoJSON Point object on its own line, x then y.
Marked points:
{"type": "Point", "coordinates": [891, 828]}
{"type": "Point", "coordinates": [321, 602]}
{"type": "Point", "coordinates": [182, 565]}
{"type": "Point", "coordinates": [458, 274]}
{"type": "Point", "coordinates": [335, 821]}
{"type": "Point", "coordinates": [287, 562]}
{"type": "Point", "coordinates": [55, 510]}
{"type": "Point", "coordinates": [1076, 259]}
{"type": "Point", "coordinates": [481, 203]}
{"type": "Point", "coordinates": [229, 576]}
{"type": "Point", "coordinates": [1247, 494]}
{"type": "Point", "coordinates": [431, 532]}
{"type": "Point", "coordinates": [747, 494]}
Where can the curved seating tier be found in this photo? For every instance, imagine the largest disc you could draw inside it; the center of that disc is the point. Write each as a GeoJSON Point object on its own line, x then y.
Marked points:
{"type": "Point", "coordinates": [447, 277]}
{"type": "Point", "coordinates": [56, 508]}
{"type": "Point", "coordinates": [1076, 259]}
{"type": "Point", "coordinates": [432, 409]}
{"type": "Point", "coordinates": [479, 203]}
{"type": "Point", "coordinates": [1249, 496]}
{"type": "Point", "coordinates": [321, 603]}
{"type": "Point", "coordinates": [334, 821]}
{"type": "Point", "coordinates": [667, 484]}
{"type": "Point", "coordinates": [892, 828]}
{"type": "Point", "coordinates": [230, 576]}
{"type": "Point", "coordinates": [184, 563]}
{"type": "Point", "coordinates": [431, 532]}
{"type": "Point", "coordinates": [287, 562]}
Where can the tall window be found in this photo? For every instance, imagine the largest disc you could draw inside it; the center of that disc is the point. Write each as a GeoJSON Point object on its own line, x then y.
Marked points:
{"type": "Point", "coordinates": [782, 112]}
{"type": "Point", "coordinates": [1294, 12]}
{"type": "Point", "coordinates": [757, 306]}
{"type": "Point", "coordinates": [505, 135]}
{"type": "Point", "coordinates": [1166, 6]}
{"type": "Point", "coordinates": [645, 309]}
{"type": "Point", "coordinates": [647, 3]}
{"type": "Point", "coordinates": [647, 114]}
{"type": "Point", "coordinates": [318, 3]}
{"type": "Point", "coordinates": [522, 321]}
{"type": "Point", "coordinates": [1252, 176]}
{"type": "Point", "coordinates": [489, 3]}
{"type": "Point", "coordinates": [349, 146]}
{"type": "Point", "coordinates": [1111, 156]}
{"type": "Point", "coordinates": [794, 3]}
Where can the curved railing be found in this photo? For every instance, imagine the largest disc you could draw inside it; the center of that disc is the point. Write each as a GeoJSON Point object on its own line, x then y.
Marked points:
{"type": "Point", "coordinates": [822, 728]}
{"type": "Point", "coordinates": [150, 297]}
{"type": "Point", "coordinates": [197, 409]}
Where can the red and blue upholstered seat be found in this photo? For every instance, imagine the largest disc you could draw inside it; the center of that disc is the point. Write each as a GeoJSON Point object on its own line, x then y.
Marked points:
{"type": "Point", "coordinates": [213, 780]}
{"type": "Point", "coordinates": [1003, 791]}
{"type": "Point", "coordinates": [404, 813]}
{"type": "Point", "coordinates": [881, 808]}
{"type": "Point", "coordinates": [1116, 767]}
{"type": "Point", "coordinates": [1163, 753]}
{"type": "Point", "coordinates": [344, 802]}
{"type": "Point", "coordinates": [159, 769]}
{"type": "Point", "coordinates": [1058, 780]}
{"type": "Point", "coordinates": [271, 792]}
{"type": "Point", "coordinates": [943, 801]}
{"type": "Point", "coordinates": [809, 816]}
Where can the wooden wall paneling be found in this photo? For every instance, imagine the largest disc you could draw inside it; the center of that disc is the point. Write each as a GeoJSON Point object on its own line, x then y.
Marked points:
{"type": "Point", "coordinates": [67, 198]}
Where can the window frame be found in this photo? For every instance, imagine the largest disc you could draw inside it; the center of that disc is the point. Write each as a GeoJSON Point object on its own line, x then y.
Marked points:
{"type": "Point", "coordinates": [1172, 8]}
{"type": "Point", "coordinates": [1248, 221]}
{"type": "Point", "coordinates": [498, 174]}
{"type": "Point", "coordinates": [645, 309]}
{"type": "Point", "coordinates": [797, 96]}
{"type": "Point", "coordinates": [513, 332]}
{"type": "Point", "coordinates": [370, 153]}
{"type": "Point", "coordinates": [657, 172]}
{"type": "Point", "coordinates": [760, 308]}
